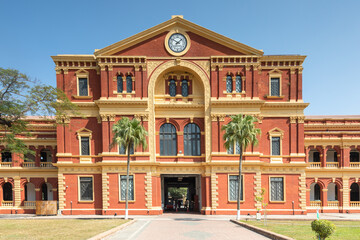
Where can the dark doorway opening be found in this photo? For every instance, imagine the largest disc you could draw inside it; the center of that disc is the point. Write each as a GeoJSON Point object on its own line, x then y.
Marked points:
{"type": "Point", "coordinates": [180, 195]}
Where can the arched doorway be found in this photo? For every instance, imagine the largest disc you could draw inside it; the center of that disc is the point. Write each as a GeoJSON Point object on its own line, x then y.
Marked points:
{"type": "Point", "coordinates": [7, 192]}
{"type": "Point", "coordinates": [46, 192]}
{"type": "Point", "coordinates": [30, 192]}
{"type": "Point", "coordinates": [354, 193]}
{"type": "Point", "coordinates": [315, 197]}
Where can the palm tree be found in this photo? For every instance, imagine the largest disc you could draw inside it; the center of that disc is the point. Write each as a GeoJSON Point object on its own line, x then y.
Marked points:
{"type": "Point", "coordinates": [240, 130]}
{"type": "Point", "coordinates": [128, 134]}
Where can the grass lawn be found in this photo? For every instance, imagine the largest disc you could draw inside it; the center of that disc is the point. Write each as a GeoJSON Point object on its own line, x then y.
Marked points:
{"type": "Point", "coordinates": [301, 230]}
{"type": "Point", "coordinates": [55, 228]}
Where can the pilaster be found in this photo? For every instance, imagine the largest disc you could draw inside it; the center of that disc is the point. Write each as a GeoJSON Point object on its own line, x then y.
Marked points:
{"type": "Point", "coordinates": [148, 190]}
{"type": "Point", "coordinates": [17, 191]}
{"type": "Point", "coordinates": [346, 191]}
{"type": "Point", "coordinates": [214, 191]}
{"type": "Point", "coordinates": [105, 189]}
{"type": "Point", "coordinates": [62, 191]}
{"type": "Point", "coordinates": [257, 188]}
{"type": "Point", "coordinates": [302, 193]}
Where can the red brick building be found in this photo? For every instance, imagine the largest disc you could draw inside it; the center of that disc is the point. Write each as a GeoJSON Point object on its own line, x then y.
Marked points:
{"type": "Point", "coordinates": [183, 81]}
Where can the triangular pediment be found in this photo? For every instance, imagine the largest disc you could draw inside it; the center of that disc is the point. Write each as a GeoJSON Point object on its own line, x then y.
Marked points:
{"type": "Point", "coordinates": [174, 23]}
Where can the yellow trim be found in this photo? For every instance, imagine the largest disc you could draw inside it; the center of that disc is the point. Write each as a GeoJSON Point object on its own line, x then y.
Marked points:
{"type": "Point", "coordinates": [276, 132]}
{"type": "Point", "coordinates": [84, 132]}
{"type": "Point", "coordinates": [120, 187]}
{"type": "Point", "coordinates": [276, 73]}
{"type": "Point", "coordinates": [242, 187]}
{"type": "Point", "coordinates": [284, 188]}
{"type": "Point", "coordinates": [180, 31]}
{"type": "Point", "coordinates": [79, 197]}
{"type": "Point", "coordinates": [82, 74]}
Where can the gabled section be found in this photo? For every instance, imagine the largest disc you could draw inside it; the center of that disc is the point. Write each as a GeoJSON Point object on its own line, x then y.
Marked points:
{"type": "Point", "coordinates": [177, 22]}
{"type": "Point", "coordinates": [276, 132]}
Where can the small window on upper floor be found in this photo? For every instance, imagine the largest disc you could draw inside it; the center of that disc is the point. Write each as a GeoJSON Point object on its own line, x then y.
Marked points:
{"type": "Point", "coordinates": [85, 146]}
{"type": "Point", "coordinates": [120, 86]}
{"type": "Point", "coordinates": [275, 146]}
{"type": "Point", "coordinates": [275, 87]}
{"type": "Point", "coordinates": [172, 88]}
{"type": "Point", "coordinates": [229, 84]}
{"type": "Point", "coordinates": [238, 84]}
{"type": "Point", "coordinates": [184, 88]}
{"type": "Point", "coordinates": [83, 87]}
{"type": "Point", "coordinates": [129, 84]}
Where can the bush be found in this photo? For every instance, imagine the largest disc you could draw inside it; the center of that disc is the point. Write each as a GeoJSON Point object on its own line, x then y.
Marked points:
{"type": "Point", "coordinates": [323, 228]}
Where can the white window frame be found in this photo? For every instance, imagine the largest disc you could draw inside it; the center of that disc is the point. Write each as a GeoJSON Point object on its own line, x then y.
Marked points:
{"type": "Point", "coordinates": [79, 188]}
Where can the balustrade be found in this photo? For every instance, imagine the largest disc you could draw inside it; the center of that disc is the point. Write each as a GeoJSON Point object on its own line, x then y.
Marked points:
{"type": "Point", "coordinates": [355, 164]}
{"type": "Point", "coordinates": [7, 203]}
{"type": "Point", "coordinates": [315, 203]}
{"type": "Point", "coordinates": [315, 165]}
{"type": "Point", "coordinates": [28, 164]}
{"type": "Point", "coordinates": [5, 164]}
{"type": "Point", "coordinates": [355, 204]}
{"type": "Point", "coordinates": [46, 164]}
{"type": "Point", "coordinates": [332, 164]}
{"type": "Point", "coordinates": [333, 203]}
{"type": "Point", "coordinates": [30, 204]}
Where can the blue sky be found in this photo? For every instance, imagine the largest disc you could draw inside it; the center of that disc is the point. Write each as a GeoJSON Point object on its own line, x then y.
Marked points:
{"type": "Point", "coordinates": [328, 32]}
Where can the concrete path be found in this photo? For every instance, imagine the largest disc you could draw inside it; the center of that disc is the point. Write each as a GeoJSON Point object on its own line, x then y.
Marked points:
{"type": "Point", "coordinates": [184, 226]}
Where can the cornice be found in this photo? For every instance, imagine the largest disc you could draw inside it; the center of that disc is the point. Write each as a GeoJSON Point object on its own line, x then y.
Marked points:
{"type": "Point", "coordinates": [142, 102]}
{"type": "Point", "coordinates": [74, 57]}
{"type": "Point", "coordinates": [178, 105]}
{"type": "Point", "coordinates": [285, 105]}
{"type": "Point", "coordinates": [236, 101]}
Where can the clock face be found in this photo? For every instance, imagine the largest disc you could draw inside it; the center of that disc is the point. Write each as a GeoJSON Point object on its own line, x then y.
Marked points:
{"type": "Point", "coordinates": [177, 42]}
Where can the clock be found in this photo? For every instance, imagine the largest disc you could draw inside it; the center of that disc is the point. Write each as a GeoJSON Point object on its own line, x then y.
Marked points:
{"type": "Point", "coordinates": [177, 42]}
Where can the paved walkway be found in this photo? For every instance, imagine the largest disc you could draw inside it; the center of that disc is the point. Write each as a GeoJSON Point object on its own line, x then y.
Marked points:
{"type": "Point", "coordinates": [184, 226]}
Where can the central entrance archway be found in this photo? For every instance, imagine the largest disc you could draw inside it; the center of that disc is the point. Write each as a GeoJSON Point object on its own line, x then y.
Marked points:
{"type": "Point", "coordinates": [181, 193]}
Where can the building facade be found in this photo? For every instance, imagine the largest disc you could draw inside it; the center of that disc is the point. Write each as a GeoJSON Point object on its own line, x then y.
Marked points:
{"type": "Point", "coordinates": [183, 82]}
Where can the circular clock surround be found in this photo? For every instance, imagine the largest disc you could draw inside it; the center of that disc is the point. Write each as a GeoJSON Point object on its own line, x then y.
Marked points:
{"type": "Point", "coordinates": [177, 42]}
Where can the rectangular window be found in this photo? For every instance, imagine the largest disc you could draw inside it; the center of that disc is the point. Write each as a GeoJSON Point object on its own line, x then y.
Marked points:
{"type": "Point", "coordinates": [86, 189]}
{"type": "Point", "coordinates": [277, 188]}
{"type": "Point", "coordinates": [123, 187]}
{"type": "Point", "coordinates": [233, 188]}
{"type": "Point", "coordinates": [275, 146]}
{"type": "Point", "coordinates": [83, 87]}
{"type": "Point", "coordinates": [275, 86]}
{"type": "Point", "coordinates": [85, 146]}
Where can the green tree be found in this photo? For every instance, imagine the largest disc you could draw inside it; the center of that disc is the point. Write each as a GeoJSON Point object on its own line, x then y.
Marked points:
{"type": "Point", "coordinates": [323, 228]}
{"type": "Point", "coordinates": [20, 97]}
{"type": "Point", "coordinates": [128, 134]}
{"type": "Point", "coordinates": [240, 130]}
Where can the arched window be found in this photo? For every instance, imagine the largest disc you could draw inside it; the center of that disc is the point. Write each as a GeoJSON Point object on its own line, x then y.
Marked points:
{"type": "Point", "coordinates": [354, 193]}
{"type": "Point", "coordinates": [45, 155]}
{"type": "Point", "coordinates": [238, 84]}
{"type": "Point", "coordinates": [129, 84]}
{"type": "Point", "coordinates": [332, 192]}
{"type": "Point", "coordinates": [120, 87]}
{"type": "Point", "coordinates": [30, 192]}
{"type": "Point", "coordinates": [184, 88]}
{"type": "Point", "coordinates": [168, 140]}
{"type": "Point", "coordinates": [354, 156]}
{"type": "Point", "coordinates": [229, 84]}
{"type": "Point", "coordinates": [44, 192]}
{"type": "Point", "coordinates": [7, 192]}
{"type": "Point", "coordinates": [6, 157]}
{"type": "Point", "coordinates": [172, 88]}
{"type": "Point", "coordinates": [315, 192]}
{"type": "Point", "coordinates": [314, 155]}
{"type": "Point", "coordinates": [331, 155]}
{"type": "Point", "coordinates": [192, 146]}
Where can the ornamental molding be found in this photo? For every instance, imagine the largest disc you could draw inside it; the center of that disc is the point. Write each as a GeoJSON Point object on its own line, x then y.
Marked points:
{"type": "Point", "coordinates": [205, 65]}
{"type": "Point", "coordinates": [151, 65]}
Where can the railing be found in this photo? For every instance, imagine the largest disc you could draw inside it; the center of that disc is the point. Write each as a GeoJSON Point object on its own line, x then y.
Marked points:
{"type": "Point", "coordinates": [333, 204]}
{"type": "Point", "coordinates": [7, 203]}
{"type": "Point", "coordinates": [46, 164]}
{"type": "Point", "coordinates": [31, 204]}
{"type": "Point", "coordinates": [354, 204]}
{"type": "Point", "coordinates": [355, 164]}
{"type": "Point", "coordinates": [315, 203]}
{"type": "Point", "coordinates": [332, 164]}
{"type": "Point", "coordinates": [29, 164]}
{"type": "Point", "coordinates": [5, 164]}
{"type": "Point", "coordinates": [315, 164]}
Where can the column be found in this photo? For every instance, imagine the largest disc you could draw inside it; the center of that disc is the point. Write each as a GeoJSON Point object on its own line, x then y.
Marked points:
{"type": "Point", "coordinates": [105, 133]}
{"type": "Point", "coordinates": [17, 191]}
{"type": "Point", "coordinates": [345, 156]}
{"type": "Point", "coordinates": [214, 133]}
{"type": "Point", "coordinates": [248, 82]}
{"type": "Point", "coordinates": [104, 82]}
{"type": "Point", "coordinates": [324, 197]}
{"type": "Point", "coordinates": [206, 193]}
{"type": "Point", "coordinates": [345, 193]}
{"type": "Point", "coordinates": [293, 137]}
{"type": "Point", "coordinates": [111, 135]}
{"type": "Point", "coordinates": [221, 140]}
{"type": "Point", "coordinates": [37, 156]}
{"type": "Point", "coordinates": [323, 157]}
{"type": "Point", "coordinates": [137, 82]}
{"type": "Point", "coordinates": [293, 85]}
{"type": "Point", "coordinates": [299, 84]}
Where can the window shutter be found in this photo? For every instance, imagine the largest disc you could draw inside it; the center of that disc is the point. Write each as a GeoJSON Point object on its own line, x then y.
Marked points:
{"type": "Point", "coordinates": [275, 150]}
{"type": "Point", "coordinates": [229, 84]}
{"type": "Point", "coordinates": [86, 188]}
{"type": "Point", "coordinates": [277, 189]}
{"type": "Point", "coordinates": [120, 87]}
{"type": "Point", "coordinates": [238, 84]}
{"type": "Point", "coordinates": [172, 88]}
{"type": "Point", "coordinates": [129, 84]}
{"type": "Point", "coordinates": [184, 88]}
{"type": "Point", "coordinates": [123, 187]}
{"type": "Point", "coordinates": [85, 146]}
